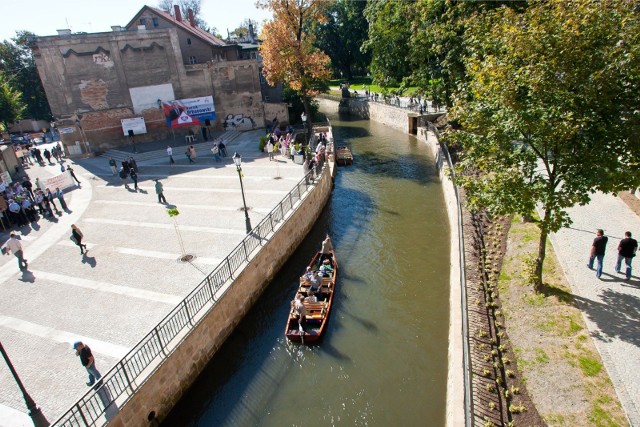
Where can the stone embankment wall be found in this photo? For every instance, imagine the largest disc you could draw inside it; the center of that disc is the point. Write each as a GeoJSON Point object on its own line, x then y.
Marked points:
{"type": "Point", "coordinates": [164, 388]}
{"type": "Point", "coordinates": [399, 119]}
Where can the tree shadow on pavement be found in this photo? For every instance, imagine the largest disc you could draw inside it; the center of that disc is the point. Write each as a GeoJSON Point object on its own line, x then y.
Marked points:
{"type": "Point", "coordinates": [617, 316]}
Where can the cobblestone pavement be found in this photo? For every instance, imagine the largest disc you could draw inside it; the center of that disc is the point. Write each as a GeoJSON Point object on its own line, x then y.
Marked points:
{"type": "Point", "coordinates": [611, 306]}
{"type": "Point", "coordinates": [131, 277]}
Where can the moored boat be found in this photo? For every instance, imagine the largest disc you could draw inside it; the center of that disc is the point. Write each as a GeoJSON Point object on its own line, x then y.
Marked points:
{"type": "Point", "coordinates": [344, 156]}
{"type": "Point", "coordinates": [314, 324]}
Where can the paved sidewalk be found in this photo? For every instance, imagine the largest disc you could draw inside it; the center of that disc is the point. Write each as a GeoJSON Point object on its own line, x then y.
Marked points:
{"type": "Point", "coordinates": [131, 277]}
{"type": "Point", "coordinates": [611, 306]}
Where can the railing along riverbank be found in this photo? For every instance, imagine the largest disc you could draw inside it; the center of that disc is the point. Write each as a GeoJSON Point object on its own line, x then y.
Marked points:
{"type": "Point", "coordinates": [122, 381]}
{"type": "Point", "coordinates": [466, 349]}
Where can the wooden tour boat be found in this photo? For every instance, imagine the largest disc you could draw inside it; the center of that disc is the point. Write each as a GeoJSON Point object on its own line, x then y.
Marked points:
{"type": "Point", "coordinates": [315, 322]}
{"type": "Point", "coordinates": [344, 156]}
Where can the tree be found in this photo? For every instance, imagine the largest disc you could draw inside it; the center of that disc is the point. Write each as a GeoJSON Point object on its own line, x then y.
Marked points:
{"type": "Point", "coordinates": [342, 35]}
{"type": "Point", "coordinates": [288, 52]}
{"type": "Point", "coordinates": [11, 106]}
{"type": "Point", "coordinates": [550, 113]}
{"type": "Point", "coordinates": [19, 68]}
{"type": "Point", "coordinates": [389, 30]}
{"type": "Point", "coordinates": [186, 5]}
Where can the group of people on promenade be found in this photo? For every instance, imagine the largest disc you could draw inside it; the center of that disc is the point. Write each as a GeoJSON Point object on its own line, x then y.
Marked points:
{"type": "Point", "coordinates": [627, 249]}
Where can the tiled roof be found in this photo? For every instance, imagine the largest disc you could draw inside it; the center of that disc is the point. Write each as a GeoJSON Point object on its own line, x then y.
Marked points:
{"type": "Point", "coordinates": [184, 24]}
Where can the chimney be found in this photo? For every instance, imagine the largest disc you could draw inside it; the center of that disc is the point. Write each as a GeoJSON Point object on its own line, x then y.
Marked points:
{"type": "Point", "coordinates": [64, 32]}
{"type": "Point", "coordinates": [176, 11]}
{"type": "Point", "coordinates": [191, 20]}
{"type": "Point", "coordinates": [116, 28]}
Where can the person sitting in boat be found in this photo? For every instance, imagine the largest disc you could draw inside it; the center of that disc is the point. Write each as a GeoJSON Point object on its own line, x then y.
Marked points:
{"type": "Point", "coordinates": [326, 269]}
{"type": "Point", "coordinates": [311, 297]}
{"type": "Point", "coordinates": [315, 284]}
{"type": "Point", "coordinates": [307, 274]}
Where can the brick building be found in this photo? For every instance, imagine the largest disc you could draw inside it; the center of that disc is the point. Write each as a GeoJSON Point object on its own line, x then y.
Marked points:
{"type": "Point", "coordinates": [95, 80]}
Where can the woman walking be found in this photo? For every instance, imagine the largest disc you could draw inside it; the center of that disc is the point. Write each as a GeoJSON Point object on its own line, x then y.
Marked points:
{"type": "Point", "coordinates": [76, 237]}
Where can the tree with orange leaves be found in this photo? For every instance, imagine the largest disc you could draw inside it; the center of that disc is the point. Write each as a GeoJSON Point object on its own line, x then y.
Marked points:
{"type": "Point", "coordinates": [288, 52]}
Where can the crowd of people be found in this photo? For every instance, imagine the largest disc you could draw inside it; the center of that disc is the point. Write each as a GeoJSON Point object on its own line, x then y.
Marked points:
{"type": "Point", "coordinates": [23, 203]}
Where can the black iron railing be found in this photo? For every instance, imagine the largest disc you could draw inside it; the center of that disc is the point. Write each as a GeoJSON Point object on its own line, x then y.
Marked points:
{"type": "Point", "coordinates": [98, 405]}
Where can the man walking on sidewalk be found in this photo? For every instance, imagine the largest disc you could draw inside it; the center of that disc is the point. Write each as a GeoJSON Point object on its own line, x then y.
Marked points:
{"type": "Point", "coordinates": [626, 250]}
{"type": "Point", "coordinates": [159, 191]}
{"type": "Point", "coordinates": [87, 360]}
{"type": "Point", "coordinates": [13, 245]}
{"type": "Point", "coordinates": [170, 154]}
{"type": "Point", "coordinates": [597, 251]}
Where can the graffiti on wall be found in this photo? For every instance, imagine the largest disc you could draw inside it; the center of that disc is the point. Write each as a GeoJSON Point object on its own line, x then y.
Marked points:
{"type": "Point", "coordinates": [239, 122]}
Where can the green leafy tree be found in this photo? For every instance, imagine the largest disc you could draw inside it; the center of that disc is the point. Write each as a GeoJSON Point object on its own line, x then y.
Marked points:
{"type": "Point", "coordinates": [389, 30]}
{"type": "Point", "coordinates": [342, 35]}
{"type": "Point", "coordinates": [288, 48]}
{"type": "Point", "coordinates": [11, 106]}
{"type": "Point", "coordinates": [19, 68]}
{"type": "Point", "coordinates": [550, 113]}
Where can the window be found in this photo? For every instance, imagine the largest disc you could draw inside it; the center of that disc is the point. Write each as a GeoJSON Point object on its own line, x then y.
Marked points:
{"type": "Point", "coordinates": [189, 41]}
{"type": "Point", "coordinates": [155, 22]}
{"type": "Point", "coordinates": [193, 60]}
{"type": "Point", "coordinates": [143, 21]}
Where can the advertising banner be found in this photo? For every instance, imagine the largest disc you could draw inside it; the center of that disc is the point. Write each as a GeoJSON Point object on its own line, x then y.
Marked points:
{"type": "Point", "coordinates": [135, 124]}
{"type": "Point", "coordinates": [189, 112]}
{"type": "Point", "coordinates": [61, 181]}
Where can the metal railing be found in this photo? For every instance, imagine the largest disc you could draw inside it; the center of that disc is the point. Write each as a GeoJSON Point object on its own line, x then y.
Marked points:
{"type": "Point", "coordinates": [466, 349]}
{"type": "Point", "coordinates": [98, 405]}
{"type": "Point", "coordinates": [392, 101]}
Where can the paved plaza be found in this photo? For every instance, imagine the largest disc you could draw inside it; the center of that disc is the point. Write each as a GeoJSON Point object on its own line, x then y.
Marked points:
{"type": "Point", "coordinates": [611, 306]}
{"type": "Point", "coordinates": [131, 277]}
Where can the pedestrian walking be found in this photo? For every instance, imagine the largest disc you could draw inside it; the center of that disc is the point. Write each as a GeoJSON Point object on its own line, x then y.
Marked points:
{"type": "Point", "coordinates": [114, 166]}
{"type": "Point", "coordinates": [170, 154]}
{"type": "Point", "coordinates": [270, 149]}
{"type": "Point", "coordinates": [188, 154]}
{"type": "Point", "coordinates": [73, 175]}
{"type": "Point", "coordinates": [597, 251]}
{"type": "Point", "coordinates": [47, 155]}
{"type": "Point", "coordinates": [215, 150]}
{"type": "Point", "coordinates": [626, 250]}
{"type": "Point", "coordinates": [13, 245]}
{"type": "Point", "coordinates": [134, 178]}
{"type": "Point", "coordinates": [50, 197]}
{"type": "Point", "coordinates": [159, 192]}
{"type": "Point", "coordinates": [60, 195]}
{"type": "Point", "coordinates": [194, 155]}
{"type": "Point", "coordinates": [222, 147]}
{"type": "Point", "coordinates": [123, 176]}
{"type": "Point", "coordinates": [133, 164]}
{"type": "Point", "coordinates": [88, 361]}
{"type": "Point", "coordinates": [76, 237]}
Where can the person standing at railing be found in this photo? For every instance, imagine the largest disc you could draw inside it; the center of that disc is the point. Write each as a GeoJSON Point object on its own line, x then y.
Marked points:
{"type": "Point", "coordinates": [88, 361]}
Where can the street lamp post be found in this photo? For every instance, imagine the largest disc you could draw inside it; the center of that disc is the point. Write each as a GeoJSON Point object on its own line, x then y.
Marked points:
{"type": "Point", "coordinates": [237, 159]}
{"type": "Point", "coordinates": [35, 413]}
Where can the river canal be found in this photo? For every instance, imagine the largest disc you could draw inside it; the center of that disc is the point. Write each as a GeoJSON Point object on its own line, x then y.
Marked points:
{"type": "Point", "coordinates": [383, 360]}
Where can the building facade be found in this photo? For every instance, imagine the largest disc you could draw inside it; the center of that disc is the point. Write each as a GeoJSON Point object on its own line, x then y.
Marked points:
{"type": "Point", "coordinates": [94, 81]}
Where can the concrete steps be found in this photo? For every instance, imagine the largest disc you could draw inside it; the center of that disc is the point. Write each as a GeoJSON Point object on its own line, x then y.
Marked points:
{"type": "Point", "coordinates": [161, 151]}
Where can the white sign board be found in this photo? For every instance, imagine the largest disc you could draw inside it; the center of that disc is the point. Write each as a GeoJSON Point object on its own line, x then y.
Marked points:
{"type": "Point", "coordinates": [60, 181]}
{"type": "Point", "coordinates": [66, 130]}
{"type": "Point", "coordinates": [135, 124]}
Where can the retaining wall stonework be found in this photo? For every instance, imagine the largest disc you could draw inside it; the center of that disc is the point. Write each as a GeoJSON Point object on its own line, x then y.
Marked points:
{"type": "Point", "coordinates": [178, 371]}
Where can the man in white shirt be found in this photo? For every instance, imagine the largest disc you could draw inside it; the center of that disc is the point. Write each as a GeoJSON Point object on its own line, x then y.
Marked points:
{"type": "Point", "coordinates": [170, 154]}
{"type": "Point", "coordinates": [13, 245]}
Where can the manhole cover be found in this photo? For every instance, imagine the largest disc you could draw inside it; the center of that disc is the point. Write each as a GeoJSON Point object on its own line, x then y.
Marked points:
{"type": "Point", "coordinates": [187, 258]}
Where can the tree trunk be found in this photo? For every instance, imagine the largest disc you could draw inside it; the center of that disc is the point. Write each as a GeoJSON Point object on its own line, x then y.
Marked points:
{"type": "Point", "coordinates": [542, 248]}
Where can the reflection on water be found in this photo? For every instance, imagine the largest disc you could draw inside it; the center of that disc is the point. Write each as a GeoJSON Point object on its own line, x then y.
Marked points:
{"type": "Point", "coordinates": [383, 360]}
